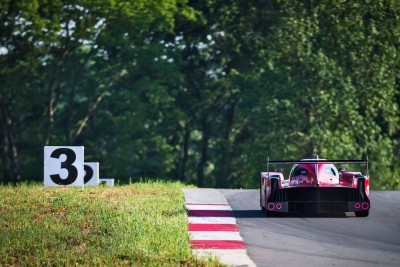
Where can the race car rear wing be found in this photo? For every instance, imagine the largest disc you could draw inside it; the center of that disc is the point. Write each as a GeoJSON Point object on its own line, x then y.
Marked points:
{"type": "Point", "coordinates": [316, 161]}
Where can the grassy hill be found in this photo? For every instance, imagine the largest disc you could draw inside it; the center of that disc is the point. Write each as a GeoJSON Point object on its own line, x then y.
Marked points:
{"type": "Point", "coordinates": [143, 224]}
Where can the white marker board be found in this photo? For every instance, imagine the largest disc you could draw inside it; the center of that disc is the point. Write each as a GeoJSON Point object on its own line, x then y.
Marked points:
{"type": "Point", "coordinates": [91, 177]}
{"type": "Point", "coordinates": [63, 166]}
{"type": "Point", "coordinates": [107, 181]}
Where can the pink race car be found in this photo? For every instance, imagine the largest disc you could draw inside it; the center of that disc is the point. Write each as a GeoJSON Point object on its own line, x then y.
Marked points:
{"type": "Point", "coordinates": [315, 186]}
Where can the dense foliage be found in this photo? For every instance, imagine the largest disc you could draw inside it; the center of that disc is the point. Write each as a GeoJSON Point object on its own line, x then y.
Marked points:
{"type": "Point", "coordinates": [200, 91]}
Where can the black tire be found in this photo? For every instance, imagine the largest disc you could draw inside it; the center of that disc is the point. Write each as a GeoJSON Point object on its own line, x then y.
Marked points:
{"type": "Point", "coordinates": [363, 213]}
{"type": "Point", "coordinates": [270, 213]}
{"type": "Point", "coordinates": [265, 194]}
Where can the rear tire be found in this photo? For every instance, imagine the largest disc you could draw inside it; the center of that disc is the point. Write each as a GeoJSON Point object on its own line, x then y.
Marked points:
{"type": "Point", "coordinates": [363, 213]}
{"type": "Point", "coordinates": [270, 213]}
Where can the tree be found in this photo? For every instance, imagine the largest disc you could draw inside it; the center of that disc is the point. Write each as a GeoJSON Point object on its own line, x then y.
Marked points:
{"type": "Point", "coordinates": [68, 56]}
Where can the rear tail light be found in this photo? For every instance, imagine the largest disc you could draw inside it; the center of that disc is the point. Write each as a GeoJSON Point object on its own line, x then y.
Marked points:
{"type": "Point", "coordinates": [361, 205]}
{"type": "Point", "coordinates": [271, 206]}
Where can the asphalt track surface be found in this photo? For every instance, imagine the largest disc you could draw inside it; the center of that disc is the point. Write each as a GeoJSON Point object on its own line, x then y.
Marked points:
{"type": "Point", "coordinates": [329, 240]}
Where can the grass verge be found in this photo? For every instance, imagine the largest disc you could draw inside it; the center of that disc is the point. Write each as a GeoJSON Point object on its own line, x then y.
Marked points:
{"type": "Point", "coordinates": [143, 224]}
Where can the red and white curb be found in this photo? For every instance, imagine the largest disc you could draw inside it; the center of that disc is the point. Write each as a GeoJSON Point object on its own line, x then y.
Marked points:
{"type": "Point", "coordinates": [213, 229]}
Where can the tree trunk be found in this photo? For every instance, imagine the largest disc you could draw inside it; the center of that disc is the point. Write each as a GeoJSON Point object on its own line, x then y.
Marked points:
{"type": "Point", "coordinates": [54, 99]}
{"type": "Point", "coordinates": [9, 147]}
{"type": "Point", "coordinates": [184, 154]}
{"type": "Point", "coordinates": [225, 169]}
{"type": "Point", "coordinates": [204, 151]}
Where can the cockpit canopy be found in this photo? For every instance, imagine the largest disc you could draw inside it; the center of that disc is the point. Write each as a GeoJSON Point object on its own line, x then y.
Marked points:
{"type": "Point", "coordinates": [312, 173]}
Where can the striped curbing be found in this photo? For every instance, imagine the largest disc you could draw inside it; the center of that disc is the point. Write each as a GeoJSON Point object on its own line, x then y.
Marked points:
{"type": "Point", "coordinates": [213, 229]}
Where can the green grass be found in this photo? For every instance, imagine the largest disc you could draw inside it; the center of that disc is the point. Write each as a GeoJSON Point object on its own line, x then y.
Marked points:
{"type": "Point", "coordinates": [143, 224]}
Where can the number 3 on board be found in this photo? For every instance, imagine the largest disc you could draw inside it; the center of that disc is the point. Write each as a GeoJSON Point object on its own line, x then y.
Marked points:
{"type": "Point", "coordinates": [64, 165]}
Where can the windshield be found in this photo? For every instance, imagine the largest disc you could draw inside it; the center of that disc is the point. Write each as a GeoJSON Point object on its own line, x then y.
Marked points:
{"type": "Point", "coordinates": [310, 170]}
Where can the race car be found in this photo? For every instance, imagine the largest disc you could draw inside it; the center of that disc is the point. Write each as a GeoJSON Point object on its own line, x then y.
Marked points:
{"type": "Point", "coordinates": [315, 186]}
